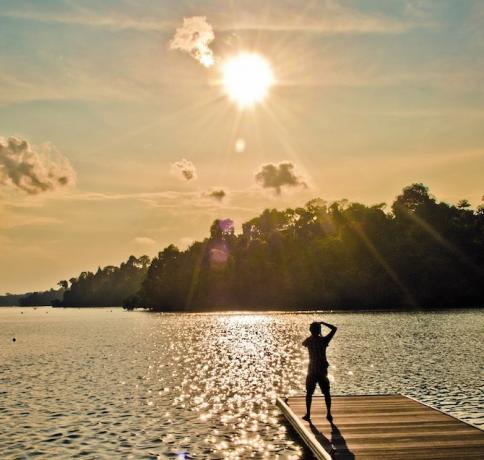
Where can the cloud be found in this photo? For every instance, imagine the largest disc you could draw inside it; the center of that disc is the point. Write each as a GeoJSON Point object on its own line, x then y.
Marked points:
{"type": "Point", "coordinates": [88, 19]}
{"type": "Point", "coordinates": [185, 242]}
{"type": "Point", "coordinates": [144, 241]}
{"type": "Point", "coordinates": [194, 38]}
{"type": "Point", "coordinates": [14, 221]}
{"type": "Point", "coordinates": [31, 171]}
{"type": "Point", "coordinates": [184, 170]}
{"type": "Point", "coordinates": [278, 176]}
{"type": "Point", "coordinates": [217, 195]}
{"type": "Point", "coordinates": [323, 17]}
{"type": "Point", "coordinates": [419, 9]}
{"type": "Point", "coordinates": [70, 82]}
{"type": "Point", "coordinates": [169, 200]}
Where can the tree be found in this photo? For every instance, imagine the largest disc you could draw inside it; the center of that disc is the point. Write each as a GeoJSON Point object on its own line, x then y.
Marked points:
{"type": "Point", "coordinates": [109, 286]}
{"type": "Point", "coordinates": [63, 284]}
{"type": "Point", "coordinates": [463, 204]}
{"type": "Point", "coordinates": [337, 255]}
{"type": "Point", "coordinates": [413, 196]}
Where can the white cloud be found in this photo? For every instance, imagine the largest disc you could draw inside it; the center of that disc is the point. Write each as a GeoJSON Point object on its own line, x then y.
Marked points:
{"type": "Point", "coordinates": [144, 241]}
{"type": "Point", "coordinates": [31, 171]}
{"type": "Point", "coordinates": [194, 37]}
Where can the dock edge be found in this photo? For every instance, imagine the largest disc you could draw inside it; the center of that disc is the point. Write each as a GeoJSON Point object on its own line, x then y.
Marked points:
{"type": "Point", "coordinates": [308, 438]}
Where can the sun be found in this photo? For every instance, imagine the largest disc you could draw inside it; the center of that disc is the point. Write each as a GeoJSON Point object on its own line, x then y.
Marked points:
{"type": "Point", "coordinates": [247, 78]}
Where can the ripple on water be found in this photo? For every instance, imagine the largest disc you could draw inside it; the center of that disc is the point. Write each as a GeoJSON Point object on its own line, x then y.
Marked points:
{"type": "Point", "coordinates": [99, 384]}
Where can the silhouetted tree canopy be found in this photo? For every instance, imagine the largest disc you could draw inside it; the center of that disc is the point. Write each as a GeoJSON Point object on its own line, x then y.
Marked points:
{"type": "Point", "coordinates": [109, 286]}
{"type": "Point", "coordinates": [41, 298]}
{"type": "Point", "coordinates": [10, 300]}
{"type": "Point", "coordinates": [422, 253]}
{"type": "Point", "coordinates": [323, 255]}
{"type": "Point", "coordinates": [32, 299]}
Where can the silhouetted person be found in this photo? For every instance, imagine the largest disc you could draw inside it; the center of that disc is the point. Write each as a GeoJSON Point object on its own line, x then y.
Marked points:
{"type": "Point", "coordinates": [318, 366]}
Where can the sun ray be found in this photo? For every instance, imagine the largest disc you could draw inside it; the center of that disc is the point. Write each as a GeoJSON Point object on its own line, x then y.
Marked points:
{"type": "Point", "coordinates": [382, 262]}
{"type": "Point", "coordinates": [283, 139]}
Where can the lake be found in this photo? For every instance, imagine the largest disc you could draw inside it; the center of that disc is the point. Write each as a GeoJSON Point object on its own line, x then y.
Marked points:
{"type": "Point", "coordinates": [106, 383]}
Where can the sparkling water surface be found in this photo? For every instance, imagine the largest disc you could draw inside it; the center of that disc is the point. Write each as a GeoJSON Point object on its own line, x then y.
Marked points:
{"type": "Point", "coordinates": [102, 383]}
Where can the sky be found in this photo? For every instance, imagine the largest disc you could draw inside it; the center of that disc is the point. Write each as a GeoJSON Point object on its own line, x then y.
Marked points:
{"type": "Point", "coordinates": [114, 141]}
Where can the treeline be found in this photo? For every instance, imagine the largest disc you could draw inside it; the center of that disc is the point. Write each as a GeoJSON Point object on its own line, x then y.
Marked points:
{"type": "Point", "coordinates": [337, 255]}
{"type": "Point", "coordinates": [43, 298]}
{"type": "Point", "coordinates": [10, 300]}
{"type": "Point", "coordinates": [31, 299]}
{"type": "Point", "coordinates": [108, 287]}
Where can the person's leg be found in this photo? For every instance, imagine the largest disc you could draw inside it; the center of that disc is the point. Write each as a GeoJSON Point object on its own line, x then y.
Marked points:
{"type": "Point", "coordinates": [325, 389]}
{"type": "Point", "coordinates": [310, 387]}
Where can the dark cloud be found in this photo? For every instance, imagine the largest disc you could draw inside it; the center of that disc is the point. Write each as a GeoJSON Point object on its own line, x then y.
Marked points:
{"type": "Point", "coordinates": [194, 38]}
{"type": "Point", "coordinates": [278, 176]}
{"type": "Point", "coordinates": [218, 195]}
{"type": "Point", "coordinates": [31, 171]}
{"type": "Point", "coordinates": [184, 169]}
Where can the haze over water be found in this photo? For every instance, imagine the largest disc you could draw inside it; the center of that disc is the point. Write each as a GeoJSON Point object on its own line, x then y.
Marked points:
{"type": "Point", "coordinates": [109, 383]}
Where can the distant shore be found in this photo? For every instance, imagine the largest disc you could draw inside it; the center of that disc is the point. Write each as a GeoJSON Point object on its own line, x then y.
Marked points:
{"type": "Point", "coordinates": [421, 254]}
{"type": "Point", "coordinates": [261, 310]}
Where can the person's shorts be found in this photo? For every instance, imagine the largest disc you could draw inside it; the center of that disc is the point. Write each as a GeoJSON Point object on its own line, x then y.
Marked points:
{"type": "Point", "coordinates": [320, 379]}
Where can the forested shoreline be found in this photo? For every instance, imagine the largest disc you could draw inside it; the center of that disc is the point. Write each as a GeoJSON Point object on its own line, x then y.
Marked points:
{"type": "Point", "coordinates": [31, 299]}
{"type": "Point", "coordinates": [340, 255]}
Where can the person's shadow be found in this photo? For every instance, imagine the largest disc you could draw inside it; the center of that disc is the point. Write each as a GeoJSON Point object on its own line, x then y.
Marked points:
{"type": "Point", "coordinates": [337, 446]}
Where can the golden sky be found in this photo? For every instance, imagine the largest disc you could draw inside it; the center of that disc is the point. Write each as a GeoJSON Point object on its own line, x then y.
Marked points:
{"type": "Point", "coordinates": [125, 140]}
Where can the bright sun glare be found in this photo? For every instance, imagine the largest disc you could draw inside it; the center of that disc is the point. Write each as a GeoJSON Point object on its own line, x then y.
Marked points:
{"type": "Point", "coordinates": [247, 78]}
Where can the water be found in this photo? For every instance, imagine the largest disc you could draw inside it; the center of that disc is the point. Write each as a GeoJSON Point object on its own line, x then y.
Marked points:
{"type": "Point", "coordinates": [101, 383]}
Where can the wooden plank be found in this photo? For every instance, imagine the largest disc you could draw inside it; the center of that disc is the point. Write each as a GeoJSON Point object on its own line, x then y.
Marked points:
{"type": "Point", "coordinates": [418, 454]}
{"type": "Point", "coordinates": [386, 427]}
{"type": "Point", "coordinates": [307, 437]}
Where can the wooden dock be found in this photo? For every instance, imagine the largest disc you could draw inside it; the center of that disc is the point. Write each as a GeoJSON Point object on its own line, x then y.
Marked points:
{"type": "Point", "coordinates": [386, 427]}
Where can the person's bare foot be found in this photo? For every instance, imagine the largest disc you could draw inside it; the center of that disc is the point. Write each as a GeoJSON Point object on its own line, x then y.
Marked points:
{"type": "Point", "coordinates": [330, 418]}
{"type": "Point", "coordinates": [307, 417]}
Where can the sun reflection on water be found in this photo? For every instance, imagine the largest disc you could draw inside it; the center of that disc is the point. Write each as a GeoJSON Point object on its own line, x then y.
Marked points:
{"type": "Point", "coordinates": [232, 370]}
{"type": "Point", "coordinates": [204, 385]}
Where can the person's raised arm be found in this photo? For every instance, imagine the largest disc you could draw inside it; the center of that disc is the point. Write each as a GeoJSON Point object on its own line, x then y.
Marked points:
{"type": "Point", "coordinates": [331, 333]}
